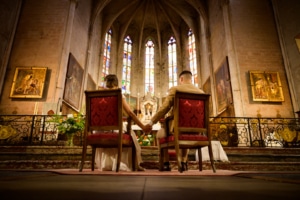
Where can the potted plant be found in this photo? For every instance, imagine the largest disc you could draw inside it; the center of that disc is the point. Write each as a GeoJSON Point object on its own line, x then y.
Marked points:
{"type": "Point", "coordinates": [69, 125]}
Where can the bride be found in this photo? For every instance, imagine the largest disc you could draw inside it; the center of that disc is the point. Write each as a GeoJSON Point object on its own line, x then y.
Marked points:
{"type": "Point", "coordinates": [106, 158]}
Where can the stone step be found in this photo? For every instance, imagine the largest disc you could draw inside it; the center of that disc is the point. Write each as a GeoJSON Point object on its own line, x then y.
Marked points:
{"type": "Point", "coordinates": [193, 165]}
{"type": "Point", "coordinates": [242, 159]}
{"type": "Point", "coordinates": [148, 154]}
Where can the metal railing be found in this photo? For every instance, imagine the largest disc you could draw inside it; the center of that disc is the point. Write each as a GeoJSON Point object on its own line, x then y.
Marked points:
{"type": "Point", "coordinates": [32, 130]}
{"type": "Point", "coordinates": [256, 132]}
{"type": "Point", "coordinates": [230, 131]}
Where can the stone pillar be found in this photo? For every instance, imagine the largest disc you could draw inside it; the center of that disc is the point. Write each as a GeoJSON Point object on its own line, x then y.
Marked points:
{"type": "Point", "coordinates": [232, 61]}
{"type": "Point", "coordinates": [62, 69]}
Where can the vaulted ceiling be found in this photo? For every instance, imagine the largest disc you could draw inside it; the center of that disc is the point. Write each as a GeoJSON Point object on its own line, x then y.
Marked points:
{"type": "Point", "coordinates": [155, 15]}
{"type": "Point", "coordinates": [144, 17]}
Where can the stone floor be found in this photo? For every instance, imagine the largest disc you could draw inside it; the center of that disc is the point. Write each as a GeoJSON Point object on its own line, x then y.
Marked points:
{"type": "Point", "coordinates": [151, 184]}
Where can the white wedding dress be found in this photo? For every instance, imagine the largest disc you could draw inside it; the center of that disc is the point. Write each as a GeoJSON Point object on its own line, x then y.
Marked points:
{"type": "Point", "coordinates": [106, 158]}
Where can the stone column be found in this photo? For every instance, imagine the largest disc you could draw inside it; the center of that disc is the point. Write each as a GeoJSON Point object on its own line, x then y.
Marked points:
{"type": "Point", "coordinates": [62, 69]}
{"type": "Point", "coordinates": [232, 61]}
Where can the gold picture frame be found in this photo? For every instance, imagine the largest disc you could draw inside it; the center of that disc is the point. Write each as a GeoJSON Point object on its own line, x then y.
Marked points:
{"type": "Point", "coordinates": [28, 82]}
{"type": "Point", "coordinates": [266, 86]}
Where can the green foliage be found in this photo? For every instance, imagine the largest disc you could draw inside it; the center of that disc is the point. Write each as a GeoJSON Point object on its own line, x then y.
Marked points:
{"type": "Point", "coordinates": [70, 124]}
{"type": "Point", "coordinates": [145, 140]}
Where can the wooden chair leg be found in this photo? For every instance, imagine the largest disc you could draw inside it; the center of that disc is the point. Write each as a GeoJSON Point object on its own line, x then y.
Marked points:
{"type": "Point", "coordinates": [134, 159]}
{"type": "Point", "coordinates": [161, 159]}
{"type": "Point", "coordinates": [211, 157]}
{"type": "Point", "coordinates": [93, 158]}
{"type": "Point", "coordinates": [178, 156]}
{"type": "Point", "coordinates": [83, 156]}
{"type": "Point", "coordinates": [119, 158]}
{"type": "Point", "coordinates": [200, 159]}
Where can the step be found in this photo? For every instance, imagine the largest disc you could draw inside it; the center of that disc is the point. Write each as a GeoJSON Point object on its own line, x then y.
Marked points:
{"type": "Point", "coordinates": [193, 165]}
{"type": "Point", "coordinates": [58, 157]}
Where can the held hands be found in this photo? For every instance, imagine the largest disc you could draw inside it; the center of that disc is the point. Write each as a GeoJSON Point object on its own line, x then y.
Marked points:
{"type": "Point", "coordinates": [147, 128]}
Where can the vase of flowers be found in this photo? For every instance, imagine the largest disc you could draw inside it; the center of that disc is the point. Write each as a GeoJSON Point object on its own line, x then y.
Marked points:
{"type": "Point", "coordinates": [69, 125]}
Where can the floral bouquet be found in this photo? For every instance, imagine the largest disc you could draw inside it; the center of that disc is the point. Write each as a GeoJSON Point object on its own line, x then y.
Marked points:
{"type": "Point", "coordinates": [145, 140]}
{"type": "Point", "coordinates": [70, 124]}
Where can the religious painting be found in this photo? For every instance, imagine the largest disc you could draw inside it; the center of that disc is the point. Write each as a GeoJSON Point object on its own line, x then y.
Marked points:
{"type": "Point", "coordinates": [28, 82]}
{"type": "Point", "coordinates": [266, 86]}
{"type": "Point", "coordinates": [207, 90]}
{"type": "Point", "coordinates": [73, 82]}
{"type": "Point", "coordinates": [297, 39]}
{"type": "Point", "coordinates": [223, 87]}
{"type": "Point", "coordinates": [132, 102]}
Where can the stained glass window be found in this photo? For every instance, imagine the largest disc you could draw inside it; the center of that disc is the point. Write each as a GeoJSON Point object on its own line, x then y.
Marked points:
{"type": "Point", "coordinates": [106, 54]}
{"type": "Point", "coordinates": [192, 56]}
{"type": "Point", "coordinates": [126, 70]}
{"type": "Point", "coordinates": [149, 68]}
{"type": "Point", "coordinates": [172, 62]}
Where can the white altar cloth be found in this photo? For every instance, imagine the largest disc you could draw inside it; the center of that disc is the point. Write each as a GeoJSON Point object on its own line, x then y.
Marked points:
{"type": "Point", "coordinates": [155, 127]}
{"type": "Point", "coordinates": [218, 152]}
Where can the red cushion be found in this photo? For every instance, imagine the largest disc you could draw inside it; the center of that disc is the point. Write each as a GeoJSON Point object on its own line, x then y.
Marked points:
{"type": "Point", "coordinates": [188, 137]}
{"type": "Point", "coordinates": [108, 138]}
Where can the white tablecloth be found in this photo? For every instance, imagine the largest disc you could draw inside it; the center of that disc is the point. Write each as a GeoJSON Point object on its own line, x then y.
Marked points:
{"type": "Point", "coordinates": [218, 152]}
{"type": "Point", "coordinates": [155, 127]}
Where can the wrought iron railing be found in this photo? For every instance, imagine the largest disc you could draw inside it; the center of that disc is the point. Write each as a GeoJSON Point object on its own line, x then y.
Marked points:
{"type": "Point", "coordinates": [32, 130]}
{"type": "Point", "coordinates": [256, 132]}
{"type": "Point", "coordinates": [230, 131]}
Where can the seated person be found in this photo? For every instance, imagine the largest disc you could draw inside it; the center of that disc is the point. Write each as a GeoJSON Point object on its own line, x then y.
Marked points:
{"type": "Point", "coordinates": [106, 157]}
{"type": "Point", "coordinates": [185, 85]}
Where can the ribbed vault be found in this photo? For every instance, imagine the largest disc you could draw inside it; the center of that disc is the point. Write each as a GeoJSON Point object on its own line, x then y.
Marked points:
{"type": "Point", "coordinates": [155, 16]}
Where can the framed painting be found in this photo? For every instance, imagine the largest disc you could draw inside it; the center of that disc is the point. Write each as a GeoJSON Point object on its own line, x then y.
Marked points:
{"type": "Point", "coordinates": [266, 86]}
{"type": "Point", "coordinates": [28, 82]}
{"type": "Point", "coordinates": [73, 82]}
{"type": "Point", "coordinates": [207, 90]}
{"type": "Point", "coordinates": [223, 87]}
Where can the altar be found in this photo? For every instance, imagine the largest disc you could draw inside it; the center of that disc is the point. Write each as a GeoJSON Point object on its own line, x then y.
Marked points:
{"type": "Point", "coordinates": [155, 127]}
{"type": "Point", "coordinates": [150, 138]}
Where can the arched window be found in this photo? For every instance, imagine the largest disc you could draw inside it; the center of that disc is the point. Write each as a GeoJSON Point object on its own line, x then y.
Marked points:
{"type": "Point", "coordinates": [172, 62]}
{"type": "Point", "coordinates": [106, 54]}
{"type": "Point", "coordinates": [149, 67]}
{"type": "Point", "coordinates": [192, 56]}
{"type": "Point", "coordinates": [126, 70]}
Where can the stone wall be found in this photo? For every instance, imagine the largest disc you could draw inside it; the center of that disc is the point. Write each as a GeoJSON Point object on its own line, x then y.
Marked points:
{"type": "Point", "coordinates": [245, 31]}
{"type": "Point", "coordinates": [46, 33]}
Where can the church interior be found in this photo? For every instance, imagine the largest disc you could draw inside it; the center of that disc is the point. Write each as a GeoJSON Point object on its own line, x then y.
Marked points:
{"type": "Point", "coordinates": [245, 54]}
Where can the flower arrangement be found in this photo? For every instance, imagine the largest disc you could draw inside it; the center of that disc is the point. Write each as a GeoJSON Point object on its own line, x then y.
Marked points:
{"type": "Point", "coordinates": [70, 124]}
{"type": "Point", "coordinates": [145, 140]}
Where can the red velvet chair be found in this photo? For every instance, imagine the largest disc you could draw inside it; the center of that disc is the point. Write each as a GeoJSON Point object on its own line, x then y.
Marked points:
{"type": "Point", "coordinates": [191, 127]}
{"type": "Point", "coordinates": [104, 122]}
